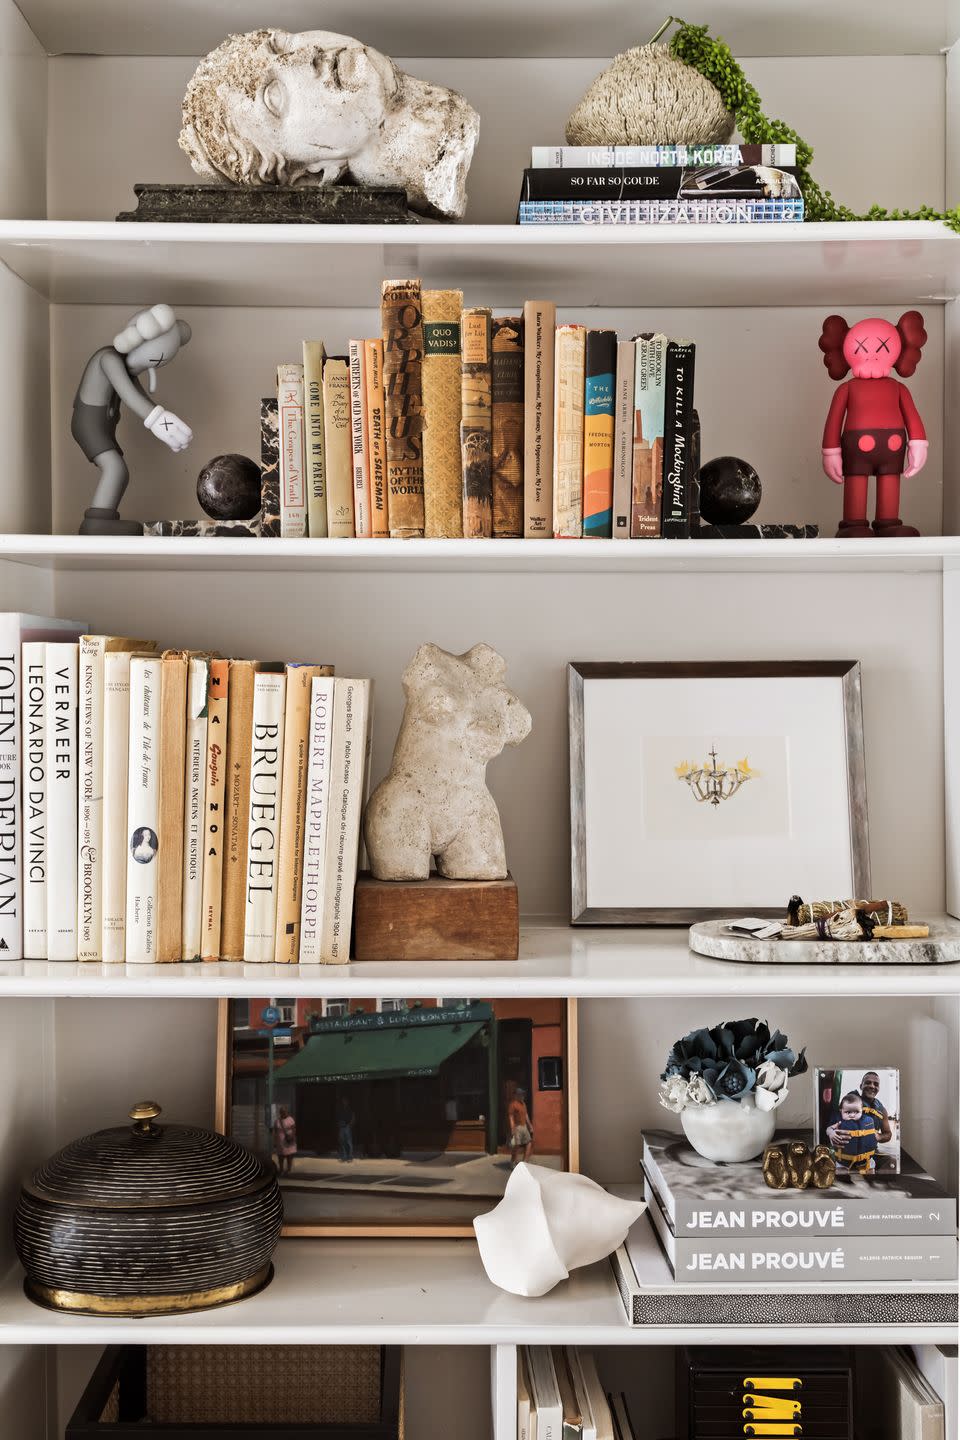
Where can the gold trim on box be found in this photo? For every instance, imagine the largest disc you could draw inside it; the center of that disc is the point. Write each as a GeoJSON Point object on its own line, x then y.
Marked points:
{"type": "Point", "coordinates": [81, 1303]}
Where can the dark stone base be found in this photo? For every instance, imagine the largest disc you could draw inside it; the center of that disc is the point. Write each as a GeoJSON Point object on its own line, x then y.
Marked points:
{"type": "Point", "coordinates": [757, 532]}
{"type": "Point", "coordinates": [270, 205]}
{"type": "Point", "coordinates": [251, 528]}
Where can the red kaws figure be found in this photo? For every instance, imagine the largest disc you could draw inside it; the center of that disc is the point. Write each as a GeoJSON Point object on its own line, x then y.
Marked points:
{"type": "Point", "coordinates": [873, 427]}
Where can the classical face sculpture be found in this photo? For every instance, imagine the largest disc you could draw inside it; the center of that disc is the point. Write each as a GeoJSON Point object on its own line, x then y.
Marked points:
{"type": "Point", "coordinates": [275, 108]}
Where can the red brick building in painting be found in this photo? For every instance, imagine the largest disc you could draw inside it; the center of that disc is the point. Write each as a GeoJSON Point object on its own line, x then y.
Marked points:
{"type": "Point", "coordinates": [421, 1076]}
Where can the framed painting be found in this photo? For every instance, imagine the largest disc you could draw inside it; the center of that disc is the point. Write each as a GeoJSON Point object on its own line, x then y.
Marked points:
{"type": "Point", "coordinates": [398, 1117]}
{"type": "Point", "coordinates": [704, 790]}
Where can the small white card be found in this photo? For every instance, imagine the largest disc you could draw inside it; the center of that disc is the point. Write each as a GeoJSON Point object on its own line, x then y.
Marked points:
{"type": "Point", "coordinates": [756, 929]}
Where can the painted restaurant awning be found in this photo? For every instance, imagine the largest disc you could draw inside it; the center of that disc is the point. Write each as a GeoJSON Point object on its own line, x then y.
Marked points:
{"type": "Point", "coordinates": [395, 1046]}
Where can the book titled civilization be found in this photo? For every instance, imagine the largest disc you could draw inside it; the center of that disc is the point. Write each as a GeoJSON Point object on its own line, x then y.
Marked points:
{"type": "Point", "coordinates": [402, 327]}
{"type": "Point", "coordinates": [442, 484]}
{"type": "Point", "coordinates": [506, 425]}
{"type": "Point", "coordinates": [539, 324]}
{"type": "Point", "coordinates": [476, 422]}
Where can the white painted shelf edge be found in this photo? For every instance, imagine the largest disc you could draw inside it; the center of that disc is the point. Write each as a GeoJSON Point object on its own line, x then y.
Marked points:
{"type": "Point", "coordinates": [406, 1292]}
{"type": "Point", "coordinates": [555, 960]}
{"type": "Point", "coordinates": [73, 552]}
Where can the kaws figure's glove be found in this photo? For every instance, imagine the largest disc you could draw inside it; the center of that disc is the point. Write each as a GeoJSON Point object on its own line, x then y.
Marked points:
{"type": "Point", "coordinates": [169, 428]}
{"type": "Point", "coordinates": [833, 465]}
{"type": "Point", "coordinates": [916, 457]}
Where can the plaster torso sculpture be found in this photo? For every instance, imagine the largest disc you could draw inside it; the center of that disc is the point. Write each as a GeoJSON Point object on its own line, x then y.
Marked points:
{"type": "Point", "coordinates": [151, 339]}
{"type": "Point", "coordinates": [434, 801]}
{"type": "Point", "coordinates": [275, 108]}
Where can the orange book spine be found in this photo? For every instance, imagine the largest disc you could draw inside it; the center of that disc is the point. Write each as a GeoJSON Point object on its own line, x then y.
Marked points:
{"type": "Point", "coordinates": [376, 437]}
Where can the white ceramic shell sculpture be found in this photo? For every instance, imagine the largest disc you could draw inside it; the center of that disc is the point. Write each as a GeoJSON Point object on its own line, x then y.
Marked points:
{"type": "Point", "coordinates": [548, 1223]}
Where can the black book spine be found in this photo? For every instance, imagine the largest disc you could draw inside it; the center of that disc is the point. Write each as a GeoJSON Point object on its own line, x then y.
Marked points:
{"type": "Point", "coordinates": [677, 429]}
{"type": "Point", "coordinates": [596, 184]}
{"type": "Point", "coordinates": [693, 506]}
{"type": "Point", "coordinates": [270, 465]}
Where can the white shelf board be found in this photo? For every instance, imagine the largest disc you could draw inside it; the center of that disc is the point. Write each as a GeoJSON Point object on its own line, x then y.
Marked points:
{"type": "Point", "coordinates": [555, 959]}
{"type": "Point", "coordinates": [408, 1292]}
{"type": "Point", "coordinates": [92, 554]}
{"type": "Point", "coordinates": [861, 263]}
{"type": "Point", "coordinates": [540, 27]}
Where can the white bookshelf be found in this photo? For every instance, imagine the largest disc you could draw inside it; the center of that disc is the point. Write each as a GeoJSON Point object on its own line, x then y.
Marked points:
{"type": "Point", "coordinates": [78, 1043]}
{"type": "Point", "coordinates": [555, 960]}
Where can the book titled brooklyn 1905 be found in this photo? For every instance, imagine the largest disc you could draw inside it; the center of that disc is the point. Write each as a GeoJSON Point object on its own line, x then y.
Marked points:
{"type": "Point", "coordinates": [402, 324]}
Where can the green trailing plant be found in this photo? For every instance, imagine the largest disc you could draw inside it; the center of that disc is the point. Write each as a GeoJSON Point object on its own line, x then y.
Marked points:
{"type": "Point", "coordinates": [713, 58]}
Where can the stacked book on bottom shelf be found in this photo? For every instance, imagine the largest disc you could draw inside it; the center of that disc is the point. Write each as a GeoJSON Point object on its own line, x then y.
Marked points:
{"type": "Point", "coordinates": [559, 1393]}
{"type": "Point", "coordinates": [870, 1250]}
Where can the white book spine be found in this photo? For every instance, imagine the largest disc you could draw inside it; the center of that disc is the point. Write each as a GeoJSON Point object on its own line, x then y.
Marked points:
{"type": "Point", "coordinates": [62, 778]}
{"type": "Point", "coordinates": [116, 743]}
{"type": "Point", "coordinates": [293, 486]}
{"type": "Point", "coordinates": [194, 779]}
{"type": "Point", "coordinates": [266, 768]}
{"type": "Point", "coordinates": [143, 811]}
{"type": "Point", "coordinates": [319, 737]}
{"type": "Point", "coordinates": [11, 829]}
{"type": "Point", "coordinates": [351, 718]}
{"type": "Point", "coordinates": [33, 740]}
{"type": "Point", "coordinates": [90, 804]}
{"type": "Point", "coordinates": [362, 514]}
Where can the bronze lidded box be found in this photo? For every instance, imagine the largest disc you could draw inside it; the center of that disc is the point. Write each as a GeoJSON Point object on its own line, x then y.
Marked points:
{"type": "Point", "coordinates": [148, 1219]}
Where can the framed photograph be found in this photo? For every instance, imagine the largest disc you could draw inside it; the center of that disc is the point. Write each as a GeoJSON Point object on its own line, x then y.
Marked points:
{"type": "Point", "coordinates": [704, 790]}
{"type": "Point", "coordinates": [398, 1117]}
{"type": "Point", "coordinates": [857, 1113]}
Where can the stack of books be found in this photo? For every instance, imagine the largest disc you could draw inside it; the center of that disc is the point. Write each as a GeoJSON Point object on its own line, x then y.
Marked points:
{"type": "Point", "coordinates": [559, 1394]}
{"type": "Point", "coordinates": [459, 423]}
{"type": "Point", "coordinates": [870, 1248]}
{"type": "Point", "coordinates": [160, 806]}
{"type": "Point", "coordinates": [661, 184]}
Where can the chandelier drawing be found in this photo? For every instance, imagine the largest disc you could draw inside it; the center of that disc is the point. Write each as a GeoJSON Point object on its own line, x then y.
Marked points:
{"type": "Point", "coordinates": [712, 781]}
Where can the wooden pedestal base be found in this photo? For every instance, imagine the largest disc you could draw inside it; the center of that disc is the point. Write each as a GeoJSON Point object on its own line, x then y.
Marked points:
{"type": "Point", "coordinates": [436, 919]}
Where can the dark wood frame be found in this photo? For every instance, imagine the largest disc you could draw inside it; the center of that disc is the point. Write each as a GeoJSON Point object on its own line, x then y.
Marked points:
{"type": "Point", "coordinates": [428, 1229]}
{"type": "Point", "coordinates": [847, 671]}
{"type": "Point", "coordinates": [128, 1364]}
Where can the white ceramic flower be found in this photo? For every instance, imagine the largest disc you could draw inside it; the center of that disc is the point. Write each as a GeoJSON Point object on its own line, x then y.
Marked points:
{"type": "Point", "coordinates": [772, 1088]}
{"type": "Point", "coordinates": [674, 1093]}
{"type": "Point", "coordinates": [699, 1092]}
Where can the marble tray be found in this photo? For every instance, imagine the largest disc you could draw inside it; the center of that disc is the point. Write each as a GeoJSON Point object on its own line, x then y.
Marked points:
{"type": "Point", "coordinates": [711, 937]}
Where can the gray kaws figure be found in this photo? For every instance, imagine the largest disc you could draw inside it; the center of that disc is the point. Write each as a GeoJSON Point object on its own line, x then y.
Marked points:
{"type": "Point", "coordinates": [151, 339]}
{"type": "Point", "coordinates": [434, 802]}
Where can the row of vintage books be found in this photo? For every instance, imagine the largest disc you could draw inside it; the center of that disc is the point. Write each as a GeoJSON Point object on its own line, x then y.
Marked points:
{"type": "Point", "coordinates": [559, 1393]}
{"type": "Point", "coordinates": [158, 806]}
{"type": "Point", "coordinates": [459, 423]}
{"type": "Point", "coordinates": [725, 184]}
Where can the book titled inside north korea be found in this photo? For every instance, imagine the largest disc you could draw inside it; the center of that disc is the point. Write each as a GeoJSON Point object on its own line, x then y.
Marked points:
{"type": "Point", "coordinates": [701, 1198]}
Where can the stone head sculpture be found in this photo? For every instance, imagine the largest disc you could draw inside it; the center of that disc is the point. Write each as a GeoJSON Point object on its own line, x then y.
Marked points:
{"type": "Point", "coordinates": [434, 802]}
{"type": "Point", "coordinates": [275, 108]}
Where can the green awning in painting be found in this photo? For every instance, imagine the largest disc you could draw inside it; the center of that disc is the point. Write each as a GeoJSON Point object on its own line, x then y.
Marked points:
{"type": "Point", "coordinates": [393, 1054]}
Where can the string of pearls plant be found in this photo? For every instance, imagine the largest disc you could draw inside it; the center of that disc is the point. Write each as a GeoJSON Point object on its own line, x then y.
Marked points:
{"type": "Point", "coordinates": [713, 59]}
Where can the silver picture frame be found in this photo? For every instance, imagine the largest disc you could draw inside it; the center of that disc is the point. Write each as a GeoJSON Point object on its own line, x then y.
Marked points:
{"type": "Point", "coordinates": [847, 672]}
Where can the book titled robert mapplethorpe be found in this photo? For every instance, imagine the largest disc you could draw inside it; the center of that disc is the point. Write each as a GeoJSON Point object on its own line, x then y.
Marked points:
{"type": "Point", "coordinates": [708, 1200]}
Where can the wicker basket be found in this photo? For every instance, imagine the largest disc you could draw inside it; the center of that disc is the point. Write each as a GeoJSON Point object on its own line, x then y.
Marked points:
{"type": "Point", "coordinates": [331, 1392]}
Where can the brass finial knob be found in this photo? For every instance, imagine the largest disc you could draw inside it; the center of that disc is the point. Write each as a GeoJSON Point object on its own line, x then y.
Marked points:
{"type": "Point", "coordinates": [143, 1114]}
